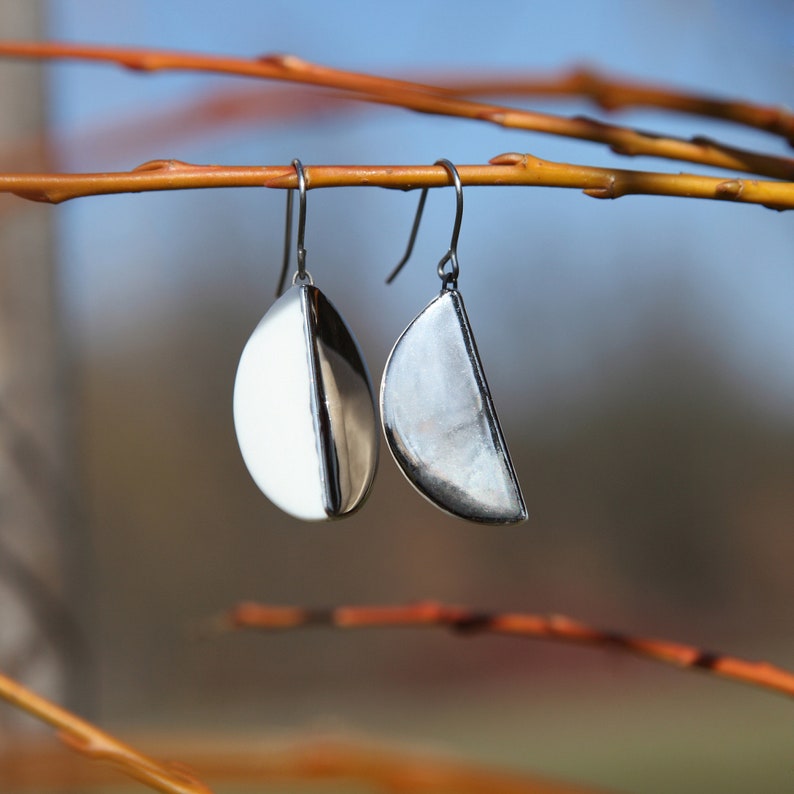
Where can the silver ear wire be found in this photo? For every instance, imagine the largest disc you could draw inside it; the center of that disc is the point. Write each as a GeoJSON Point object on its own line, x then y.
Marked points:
{"type": "Point", "coordinates": [301, 274]}
{"type": "Point", "coordinates": [412, 239]}
{"type": "Point", "coordinates": [449, 279]}
{"type": "Point", "coordinates": [287, 245]}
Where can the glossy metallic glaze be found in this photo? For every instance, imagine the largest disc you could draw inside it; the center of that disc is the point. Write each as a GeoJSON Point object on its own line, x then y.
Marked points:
{"type": "Point", "coordinates": [440, 422]}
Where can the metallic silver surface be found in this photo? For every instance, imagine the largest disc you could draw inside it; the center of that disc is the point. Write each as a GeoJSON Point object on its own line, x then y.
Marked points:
{"type": "Point", "coordinates": [440, 422]}
{"type": "Point", "coordinates": [304, 410]}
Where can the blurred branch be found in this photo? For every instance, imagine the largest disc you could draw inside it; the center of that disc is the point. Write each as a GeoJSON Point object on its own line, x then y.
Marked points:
{"type": "Point", "coordinates": [555, 627]}
{"type": "Point", "coordinates": [385, 769]}
{"type": "Point", "coordinates": [301, 759]}
{"type": "Point", "coordinates": [90, 741]}
{"type": "Point", "coordinates": [211, 112]}
{"type": "Point", "coordinates": [419, 97]}
{"type": "Point", "coordinates": [506, 169]}
{"type": "Point", "coordinates": [618, 93]}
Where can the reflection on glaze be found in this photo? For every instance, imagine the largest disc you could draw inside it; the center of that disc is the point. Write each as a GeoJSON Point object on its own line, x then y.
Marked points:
{"type": "Point", "coordinates": [440, 422]}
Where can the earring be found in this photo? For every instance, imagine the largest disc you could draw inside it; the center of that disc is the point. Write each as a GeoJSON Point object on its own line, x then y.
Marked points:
{"type": "Point", "coordinates": [436, 408]}
{"type": "Point", "coordinates": [304, 409]}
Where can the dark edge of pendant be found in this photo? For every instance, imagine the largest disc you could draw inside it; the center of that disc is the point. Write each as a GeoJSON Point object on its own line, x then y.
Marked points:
{"type": "Point", "coordinates": [332, 498]}
{"type": "Point", "coordinates": [493, 418]}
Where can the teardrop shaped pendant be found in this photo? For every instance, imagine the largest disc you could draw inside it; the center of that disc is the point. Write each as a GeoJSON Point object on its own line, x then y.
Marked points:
{"type": "Point", "coordinates": [440, 421]}
{"type": "Point", "coordinates": [304, 410]}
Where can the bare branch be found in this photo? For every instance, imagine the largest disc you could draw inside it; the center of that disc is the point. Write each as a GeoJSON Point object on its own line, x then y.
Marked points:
{"type": "Point", "coordinates": [617, 93]}
{"type": "Point", "coordinates": [467, 621]}
{"type": "Point", "coordinates": [86, 739]}
{"type": "Point", "coordinates": [506, 169]}
{"type": "Point", "coordinates": [419, 97]}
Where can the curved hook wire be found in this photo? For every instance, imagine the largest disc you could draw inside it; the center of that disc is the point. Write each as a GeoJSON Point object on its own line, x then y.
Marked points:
{"type": "Point", "coordinates": [301, 274]}
{"type": "Point", "coordinates": [448, 278]}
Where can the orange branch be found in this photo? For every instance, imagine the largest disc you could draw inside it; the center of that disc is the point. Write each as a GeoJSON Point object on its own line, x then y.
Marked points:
{"type": "Point", "coordinates": [506, 169]}
{"type": "Point", "coordinates": [303, 759]}
{"type": "Point", "coordinates": [555, 627]}
{"type": "Point", "coordinates": [612, 93]}
{"type": "Point", "coordinates": [90, 741]}
{"type": "Point", "coordinates": [418, 97]}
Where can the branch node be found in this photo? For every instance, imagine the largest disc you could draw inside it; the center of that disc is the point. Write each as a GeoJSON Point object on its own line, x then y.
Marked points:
{"type": "Point", "coordinates": [592, 84]}
{"type": "Point", "coordinates": [509, 158]}
{"type": "Point", "coordinates": [730, 190]}
{"type": "Point", "coordinates": [138, 64]}
{"type": "Point", "coordinates": [43, 196]}
{"type": "Point", "coordinates": [608, 191]}
{"type": "Point", "coordinates": [494, 116]}
{"type": "Point", "coordinates": [473, 623]}
{"type": "Point", "coordinates": [623, 149]}
{"type": "Point", "coordinates": [703, 141]}
{"type": "Point", "coordinates": [162, 165]}
{"type": "Point", "coordinates": [283, 60]}
{"type": "Point", "coordinates": [80, 744]}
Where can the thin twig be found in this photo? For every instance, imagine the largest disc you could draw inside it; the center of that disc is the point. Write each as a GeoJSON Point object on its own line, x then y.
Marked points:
{"type": "Point", "coordinates": [506, 169]}
{"type": "Point", "coordinates": [421, 98]}
{"type": "Point", "coordinates": [554, 627]}
{"type": "Point", "coordinates": [92, 742]}
{"type": "Point", "coordinates": [617, 93]}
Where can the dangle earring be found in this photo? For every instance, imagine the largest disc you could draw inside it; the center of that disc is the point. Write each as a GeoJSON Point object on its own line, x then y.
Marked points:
{"type": "Point", "coordinates": [436, 408]}
{"type": "Point", "coordinates": [304, 410]}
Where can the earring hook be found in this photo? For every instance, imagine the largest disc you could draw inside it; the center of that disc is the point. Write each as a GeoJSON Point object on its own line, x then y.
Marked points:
{"type": "Point", "coordinates": [301, 274]}
{"type": "Point", "coordinates": [449, 279]}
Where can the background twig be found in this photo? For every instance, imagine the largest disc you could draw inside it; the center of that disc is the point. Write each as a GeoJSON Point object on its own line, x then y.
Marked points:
{"type": "Point", "coordinates": [611, 93]}
{"type": "Point", "coordinates": [555, 627]}
{"type": "Point", "coordinates": [421, 98]}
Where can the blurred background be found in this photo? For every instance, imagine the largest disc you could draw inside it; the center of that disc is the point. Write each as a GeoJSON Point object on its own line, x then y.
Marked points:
{"type": "Point", "coordinates": [639, 353]}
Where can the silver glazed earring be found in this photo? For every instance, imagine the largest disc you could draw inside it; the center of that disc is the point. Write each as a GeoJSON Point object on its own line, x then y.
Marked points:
{"type": "Point", "coordinates": [304, 410]}
{"type": "Point", "coordinates": [436, 407]}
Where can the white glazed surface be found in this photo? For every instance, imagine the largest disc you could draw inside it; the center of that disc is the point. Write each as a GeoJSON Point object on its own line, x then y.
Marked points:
{"type": "Point", "coordinates": [273, 412]}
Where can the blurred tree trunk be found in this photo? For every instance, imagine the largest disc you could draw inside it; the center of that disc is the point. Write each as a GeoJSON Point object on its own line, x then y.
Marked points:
{"type": "Point", "coordinates": [37, 635]}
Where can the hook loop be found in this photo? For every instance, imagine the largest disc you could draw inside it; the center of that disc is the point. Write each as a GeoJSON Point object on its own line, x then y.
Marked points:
{"type": "Point", "coordinates": [301, 274]}
{"type": "Point", "coordinates": [449, 278]}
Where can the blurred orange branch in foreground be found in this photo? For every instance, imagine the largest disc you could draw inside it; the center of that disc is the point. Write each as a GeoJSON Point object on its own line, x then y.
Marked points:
{"type": "Point", "coordinates": [312, 759]}
{"type": "Point", "coordinates": [299, 759]}
{"type": "Point", "coordinates": [94, 743]}
{"type": "Point", "coordinates": [518, 624]}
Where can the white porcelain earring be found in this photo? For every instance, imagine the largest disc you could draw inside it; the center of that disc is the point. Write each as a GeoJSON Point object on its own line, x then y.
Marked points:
{"type": "Point", "coordinates": [436, 408]}
{"type": "Point", "coordinates": [304, 410]}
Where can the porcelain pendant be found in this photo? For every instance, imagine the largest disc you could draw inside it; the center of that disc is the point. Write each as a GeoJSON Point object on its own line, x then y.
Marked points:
{"type": "Point", "coordinates": [304, 410]}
